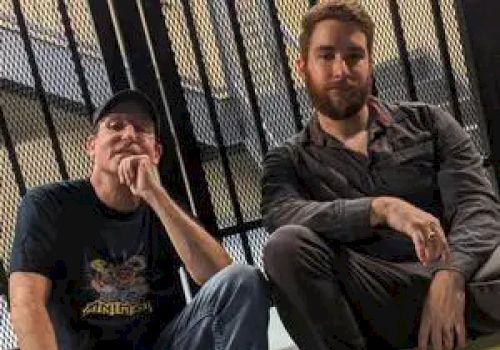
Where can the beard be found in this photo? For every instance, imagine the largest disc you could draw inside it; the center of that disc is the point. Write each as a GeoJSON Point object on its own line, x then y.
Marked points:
{"type": "Point", "coordinates": [338, 104]}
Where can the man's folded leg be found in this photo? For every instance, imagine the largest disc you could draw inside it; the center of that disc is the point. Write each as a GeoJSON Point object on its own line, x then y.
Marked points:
{"type": "Point", "coordinates": [229, 312]}
{"type": "Point", "coordinates": [307, 292]}
{"type": "Point", "coordinates": [330, 297]}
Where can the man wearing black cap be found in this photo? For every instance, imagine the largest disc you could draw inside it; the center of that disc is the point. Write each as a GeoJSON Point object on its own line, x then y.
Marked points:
{"type": "Point", "coordinates": [94, 262]}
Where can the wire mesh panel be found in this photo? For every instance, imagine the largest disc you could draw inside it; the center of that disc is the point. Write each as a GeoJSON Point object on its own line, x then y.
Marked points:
{"type": "Point", "coordinates": [198, 109]}
{"type": "Point", "coordinates": [388, 68]}
{"type": "Point", "coordinates": [422, 45]}
{"type": "Point", "coordinates": [233, 114]}
{"type": "Point", "coordinates": [43, 98]}
{"type": "Point", "coordinates": [257, 239]}
{"type": "Point", "coordinates": [7, 337]}
{"type": "Point", "coordinates": [265, 66]}
{"type": "Point", "coordinates": [290, 15]}
{"type": "Point", "coordinates": [9, 198]}
{"type": "Point", "coordinates": [89, 52]}
{"type": "Point", "coordinates": [52, 75]}
{"type": "Point", "coordinates": [472, 116]}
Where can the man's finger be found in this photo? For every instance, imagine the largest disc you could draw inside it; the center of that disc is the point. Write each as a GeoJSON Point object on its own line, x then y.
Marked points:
{"type": "Point", "coordinates": [120, 171]}
{"type": "Point", "coordinates": [461, 334]}
{"type": "Point", "coordinates": [446, 252]}
{"type": "Point", "coordinates": [445, 249]}
{"type": "Point", "coordinates": [423, 333]}
{"type": "Point", "coordinates": [437, 339]}
{"type": "Point", "coordinates": [449, 338]}
{"type": "Point", "coordinates": [419, 243]}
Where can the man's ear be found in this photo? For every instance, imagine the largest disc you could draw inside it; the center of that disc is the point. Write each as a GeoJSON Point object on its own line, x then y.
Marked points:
{"type": "Point", "coordinates": [158, 152]}
{"type": "Point", "coordinates": [90, 145]}
{"type": "Point", "coordinates": [300, 65]}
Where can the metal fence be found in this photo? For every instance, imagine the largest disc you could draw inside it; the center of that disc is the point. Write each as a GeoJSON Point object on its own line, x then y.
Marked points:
{"type": "Point", "coordinates": [235, 64]}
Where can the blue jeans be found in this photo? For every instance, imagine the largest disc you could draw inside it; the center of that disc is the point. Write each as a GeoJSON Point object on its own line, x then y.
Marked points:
{"type": "Point", "coordinates": [229, 312]}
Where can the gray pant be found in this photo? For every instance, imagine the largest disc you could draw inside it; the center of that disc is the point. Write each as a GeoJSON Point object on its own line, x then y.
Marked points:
{"type": "Point", "coordinates": [229, 312]}
{"type": "Point", "coordinates": [332, 297]}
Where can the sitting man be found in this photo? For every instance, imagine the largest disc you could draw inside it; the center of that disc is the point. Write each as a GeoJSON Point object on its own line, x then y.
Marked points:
{"type": "Point", "coordinates": [95, 262]}
{"type": "Point", "coordinates": [381, 213]}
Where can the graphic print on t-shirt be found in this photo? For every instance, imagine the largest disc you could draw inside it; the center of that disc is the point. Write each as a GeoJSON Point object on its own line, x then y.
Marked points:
{"type": "Point", "coordinates": [121, 287]}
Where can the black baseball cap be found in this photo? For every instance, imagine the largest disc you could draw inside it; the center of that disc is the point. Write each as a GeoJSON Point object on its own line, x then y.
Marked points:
{"type": "Point", "coordinates": [137, 103]}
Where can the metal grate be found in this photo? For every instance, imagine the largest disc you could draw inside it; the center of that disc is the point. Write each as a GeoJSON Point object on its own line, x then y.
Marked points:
{"type": "Point", "coordinates": [89, 52]}
{"type": "Point", "coordinates": [9, 199]}
{"type": "Point", "coordinates": [422, 45]}
{"type": "Point", "coordinates": [388, 68]}
{"type": "Point", "coordinates": [234, 247]}
{"type": "Point", "coordinates": [290, 16]}
{"type": "Point", "coordinates": [53, 76]}
{"type": "Point", "coordinates": [46, 91]}
{"type": "Point", "coordinates": [7, 337]}
{"type": "Point", "coordinates": [198, 109]}
{"type": "Point", "coordinates": [472, 116]}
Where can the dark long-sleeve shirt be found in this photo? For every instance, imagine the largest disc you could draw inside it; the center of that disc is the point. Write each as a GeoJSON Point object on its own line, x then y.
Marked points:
{"type": "Point", "coordinates": [416, 152]}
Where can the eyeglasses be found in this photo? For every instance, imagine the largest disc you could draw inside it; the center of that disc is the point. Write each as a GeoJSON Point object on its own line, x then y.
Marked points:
{"type": "Point", "coordinates": [143, 127]}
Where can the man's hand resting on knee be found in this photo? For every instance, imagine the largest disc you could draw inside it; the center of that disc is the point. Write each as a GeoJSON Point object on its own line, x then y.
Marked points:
{"type": "Point", "coordinates": [421, 227]}
{"type": "Point", "coordinates": [442, 324]}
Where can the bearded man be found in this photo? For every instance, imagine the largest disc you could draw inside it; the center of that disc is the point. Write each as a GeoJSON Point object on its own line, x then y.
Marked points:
{"type": "Point", "coordinates": [383, 221]}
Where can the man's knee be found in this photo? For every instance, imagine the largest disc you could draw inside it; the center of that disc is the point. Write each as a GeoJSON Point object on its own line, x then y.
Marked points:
{"type": "Point", "coordinates": [287, 244]}
{"type": "Point", "coordinates": [243, 281]}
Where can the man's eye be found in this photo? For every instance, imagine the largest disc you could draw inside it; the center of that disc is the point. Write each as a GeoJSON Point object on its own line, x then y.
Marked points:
{"type": "Point", "coordinates": [116, 125]}
{"type": "Point", "coordinates": [353, 59]}
{"type": "Point", "coordinates": [139, 128]}
{"type": "Point", "coordinates": [327, 56]}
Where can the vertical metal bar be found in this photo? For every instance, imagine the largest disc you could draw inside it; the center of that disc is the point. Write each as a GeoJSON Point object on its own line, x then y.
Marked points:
{"type": "Point", "coordinates": [108, 43]}
{"type": "Point", "coordinates": [39, 89]}
{"type": "Point", "coordinates": [11, 151]}
{"type": "Point", "coordinates": [445, 56]}
{"type": "Point", "coordinates": [292, 95]}
{"type": "Point", "coordinates": [75, 56]}
{"type": "Point", "coordinates": [247, 75]}
{"type": "Point", "coordinates": [216, 125]}
{"type": "Point", "coordinates": [121, 44]}
{"type": "Point", "coordinates": [403, 51]}
{"type": "Point", "coordinates": [169, 117]}
{"type": "Point", "coordinates": [154, 61]}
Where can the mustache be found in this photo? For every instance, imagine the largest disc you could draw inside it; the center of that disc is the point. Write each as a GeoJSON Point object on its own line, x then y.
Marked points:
{"type": "Point", "coordinates": [128, 148]}
{"type": "Point", "coordinates": [339, 86]}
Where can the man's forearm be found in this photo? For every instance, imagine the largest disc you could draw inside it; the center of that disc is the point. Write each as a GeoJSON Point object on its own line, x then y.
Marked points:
{"type": "Point", "coordinates": [33, 327]}
{"type": "Point", "coordinates": [201, 253]}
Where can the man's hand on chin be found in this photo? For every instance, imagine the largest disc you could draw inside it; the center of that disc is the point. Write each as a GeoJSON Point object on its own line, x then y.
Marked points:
{"type": "Point", "coordinates": [141, 175]}
{"type": "Point", "coordinates": [442, 324]}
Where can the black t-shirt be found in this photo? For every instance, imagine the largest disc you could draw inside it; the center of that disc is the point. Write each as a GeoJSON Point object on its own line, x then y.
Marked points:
{"type": "Point", "coordinates": [114, 274]}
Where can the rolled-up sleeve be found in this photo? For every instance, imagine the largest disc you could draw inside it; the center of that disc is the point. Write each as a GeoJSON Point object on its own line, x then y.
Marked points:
{"type": "Point", "coordinates": [285, 202]}
{"type": "Point", "coordinates": [470, 202]}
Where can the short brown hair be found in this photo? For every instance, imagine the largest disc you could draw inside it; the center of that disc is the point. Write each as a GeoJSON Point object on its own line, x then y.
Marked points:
{"type": "Point", "coordinates": [340, 10]}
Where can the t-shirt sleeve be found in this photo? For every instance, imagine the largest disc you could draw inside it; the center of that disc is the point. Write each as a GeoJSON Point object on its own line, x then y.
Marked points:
{"type": "Point", "coordinates": [35, 236]}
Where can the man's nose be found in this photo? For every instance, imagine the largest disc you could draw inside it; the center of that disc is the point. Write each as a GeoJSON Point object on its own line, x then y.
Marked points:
{"type": "Point", "coordinates": [340, 68]}
{"type": "Point", "coordinates": [129, 131]}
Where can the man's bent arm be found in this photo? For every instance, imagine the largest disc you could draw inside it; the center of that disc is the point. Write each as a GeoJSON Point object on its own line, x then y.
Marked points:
{"type": "Point", "coordinates": [200, 252]}
{"type": "Point", "coordinates": [284, 202]}
{"type": "Point", "coordinates": [471, 205]}
{"type": "Point", "coordinates": [29, 293]}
